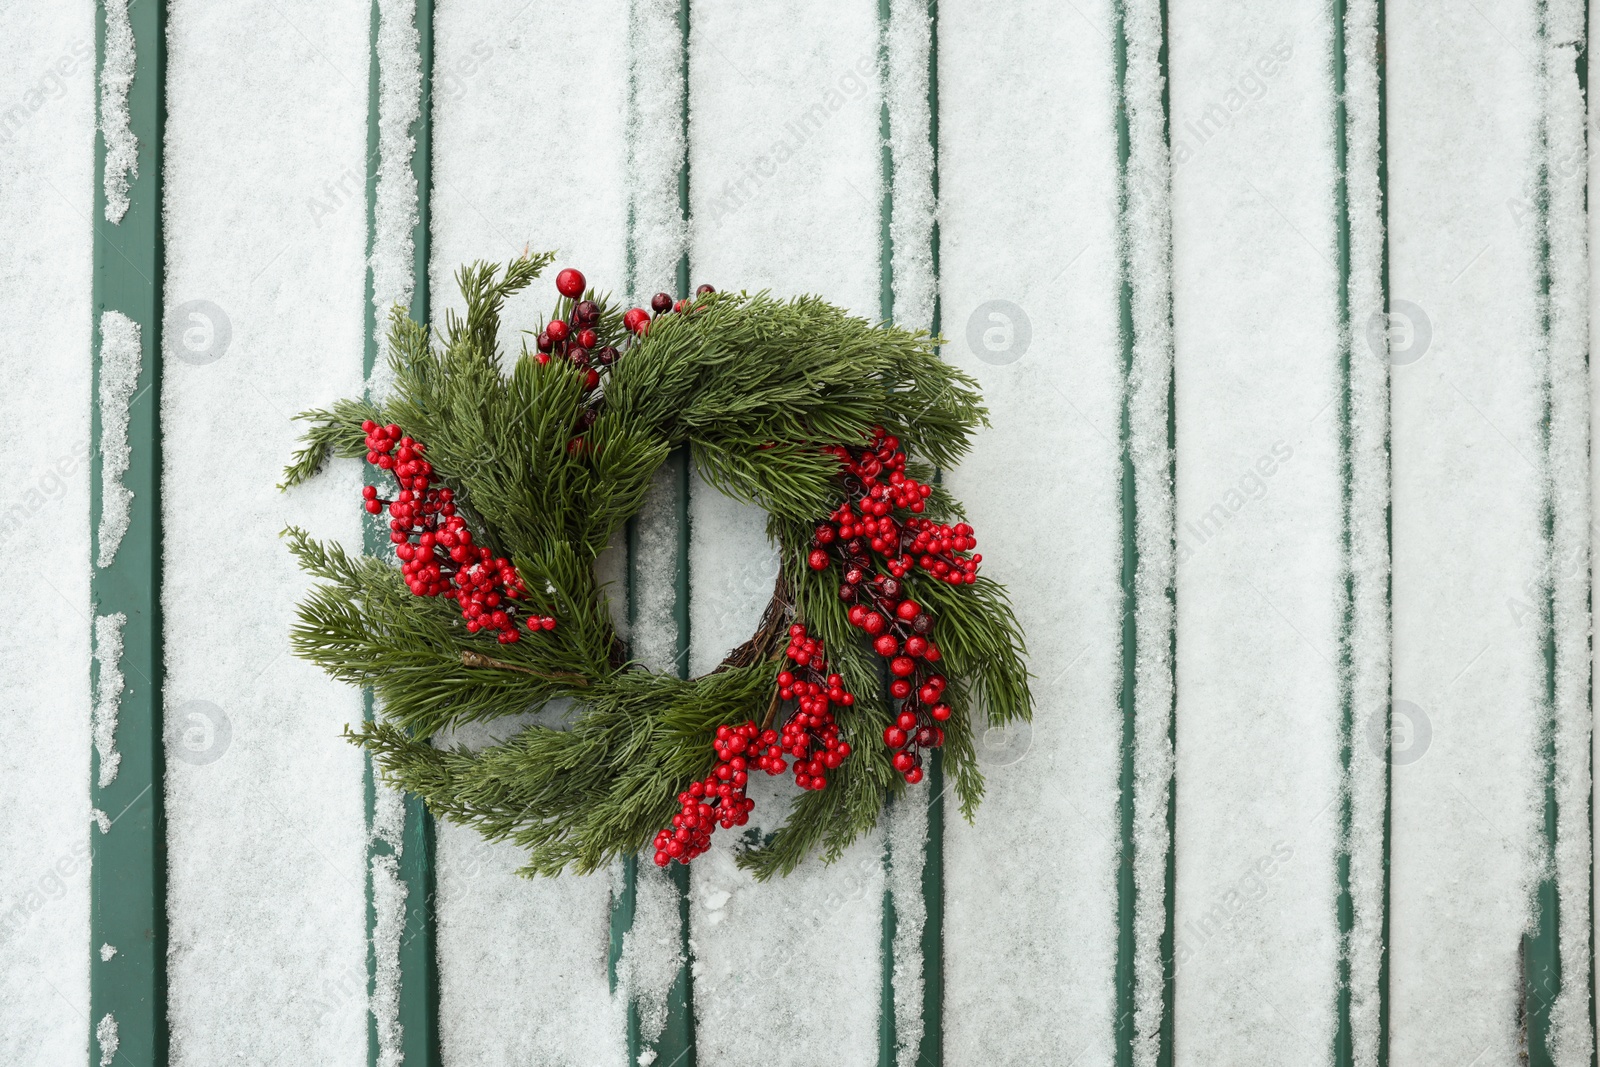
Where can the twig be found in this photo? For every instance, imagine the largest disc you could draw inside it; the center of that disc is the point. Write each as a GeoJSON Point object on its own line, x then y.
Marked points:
{"type": "Point", "coordinates": [478, 659]}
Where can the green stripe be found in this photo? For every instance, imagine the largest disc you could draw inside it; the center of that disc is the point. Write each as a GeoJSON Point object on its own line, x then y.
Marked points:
{"type": "Point", "coordinates": [419, 973]}
{"type": "Point", "coordinates": [128, 864]}
{"type": "Point", "coordinates": [1382, 62]}
{"type": "Point", "coordinates": [1343, 1050]}
{"type": "Point", "coordinates": [930, 1048]}
{"type": "Point", "coordinates": [676, 1047]}
{"type": "Point", "coordinates": [1166, 1043]}
{"type": "Point", "coordinates": [1123, 1023]}
{"type": "Point", "coordinates": [1541, 947]}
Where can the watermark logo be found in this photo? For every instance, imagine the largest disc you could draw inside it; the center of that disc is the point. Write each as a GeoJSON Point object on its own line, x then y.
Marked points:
{"type": "Point", "coordinates": [198, 732]}
{"type": "Point", "coordinates": [1004, 744]}
{"type": "Point", "coordinates": [197, 332]}
{"type": "Point", "coordinates": [998, 332]}
{"type": "Point", "coordinates": [1402, 336]}
{"type": "Point", "coordinates": [1408, 736]}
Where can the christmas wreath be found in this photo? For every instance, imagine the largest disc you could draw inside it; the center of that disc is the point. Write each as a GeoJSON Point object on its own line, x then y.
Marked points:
{"type": "Point", "coordinates": [882, 640]}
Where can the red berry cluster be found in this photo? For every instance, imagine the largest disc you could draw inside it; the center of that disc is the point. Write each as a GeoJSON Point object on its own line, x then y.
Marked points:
{"type": "Point", "coordinates": [637, 320]}
{"type": "Point", "coordinates": [574, 335]}
{"type": "Point", "coordinates": [877, 479]}
{"type": "Point", "coordinates": [810, 736]}
{"type": "Point", "coordinates": [437, 556]}
{"type": "Point", "coordinates": [864, 530]}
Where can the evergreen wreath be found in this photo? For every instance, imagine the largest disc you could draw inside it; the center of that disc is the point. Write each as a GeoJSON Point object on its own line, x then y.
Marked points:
{"type": "Point", "coordinates": [510, 484]}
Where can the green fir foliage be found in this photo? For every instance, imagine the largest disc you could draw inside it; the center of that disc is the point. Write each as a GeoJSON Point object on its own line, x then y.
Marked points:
{"type": "Point", "coordinates": [754, 385]}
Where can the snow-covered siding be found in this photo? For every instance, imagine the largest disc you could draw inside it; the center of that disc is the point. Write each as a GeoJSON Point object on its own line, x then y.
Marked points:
{"type": "Point", "coordinates": [529, 126]}
{"type": "Point", "coordinates": [47, 118]}
{"type": "Point", "coordinates": [1470, 556]}
{"type": "Point", "coordinates": [265, 239]}
{"type": "Point", "coordinates": [1258, 524]}
{"type": "Point", "coordinates": [784, 189]}
{"type": "Point", "coordinates": [560, 126]}
{"type": "Point", "coordinates": [1029, 265]}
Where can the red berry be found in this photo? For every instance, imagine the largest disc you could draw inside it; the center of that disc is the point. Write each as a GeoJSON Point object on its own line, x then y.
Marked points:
{"type": "Point", "coordinates": [636, 319]}
{"type": "Point", "coordinates": [907, 610]}
{"type": "Point", "coordinates": [894, 737]}
{"type": "Point", "coordinates": [901, 666]}
{"type": "Point", "coordinates": [886, 645]}
{"type": "Point", "coordinates": [940, 712]}
{"type": "Point", "coordinates": [913, 776]}
{"type": "Point", "coordinates": [570, 283]}
{"type": "Point", "coordinates": [817, 560]}
{"type": "Point", "coordinates": [557, 330]}
{"type": "Point", "coordinates": [661, 303]}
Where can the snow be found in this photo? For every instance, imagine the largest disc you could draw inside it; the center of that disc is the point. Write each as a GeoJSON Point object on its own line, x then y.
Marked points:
{"type": "Point", "coordinates": [106, 952]}
{"type": "Point", "coordinates": [1259, 598]}
{"type": "Point", "coordinates": [1469, 558]}
{"type": "Point", "coordinates": [652, 953]}
{"type": "Point", "coordinates": [1148, 252]}
{"type": "Point", "coordinates": [116, 78]}
{"type": "Point", "coordinates": [108, 687]}
{"type": "Point", "coordinates": [1563, 118]}
{"type": "Point", "coordinates": [784, 186]}
{"type": "Point", "coordinates": [105, 1034]}
{"type": "Point", "coordinates": [47, 180]}
{"type": "Point", "coordinates": [1029, 287]}
{"type": "Point", "coordinates": [908, 842]}
{"type": "Point", "coordinates": [654, 146]}
{"type": "Point", "coordinates": [514, 86]}
{"type": "Point", "coordinates": [1369, 531]}
{"type": "Point", "coordinates": [388, 903]}
{"type": "Point", "coordinates": [909, 39]}
{"type": "Point", "coordinates": [395, 210]}
{"type": "Point", "coordinates": [120, 360]}
{"type": "Point", "coordinates": [266, 842]}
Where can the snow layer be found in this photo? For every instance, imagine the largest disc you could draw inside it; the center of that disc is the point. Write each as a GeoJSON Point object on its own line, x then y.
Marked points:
{"type": "Point", "coordinates": [1029, 282]}
{"type": "Point", "coordinates": [116, 78]}
{"type": "Point", "coordinates": [47, 182]}
{"type": "Point", "coordinates": [267, 845]}
{"type": "Point", "coordinates": [120, 359]}
{"type": "Point", "coordinates": [522, 963]}
{"type": "Point", "coordinates": [105, 1035]}
{"type": "Point", "coordinates": [1469, 557]}
{"type": "Point", "coordinates": [389, 905]}
{"type": "Point", "coordinates": [1259, 513]}
{"type": "Point", "coordinates": [785, 186]}
{"type": "Point", "coordinates": [655, 146]}
{"type": "Point", "coordinates": [395, 207]}
{"type": "Point", "coordinates": [1563, 151]}
{"type": "Point", "coordinates": [108, 687]}
{"type": "Point", "coordinates": [908, 41]}
{"type": "Point", "coordinates": [908, 843]}
{"type": "Point", "coordinates": [1147, 249]}
{"type": "Point", "coordinates": [1368, 519]}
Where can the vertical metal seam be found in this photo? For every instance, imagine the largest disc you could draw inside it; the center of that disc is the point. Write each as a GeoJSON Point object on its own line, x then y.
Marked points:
{"type": "Point", "coordinates": [418, 1009]}
{"type": "Point", "coordinates": [128, 868]}
{"type": "Point", "coordinates": [1123, 1021]}
{"type": "Point", "coordinates": [1343, 1051]}
{"type": "Point", "coordinates": [1542, 946]}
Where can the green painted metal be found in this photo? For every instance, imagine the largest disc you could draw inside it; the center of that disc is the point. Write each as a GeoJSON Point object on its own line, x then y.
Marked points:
{"type": "Point", "coordinates": [1166, 1045]}
{"type": "Point", "coordinates": [1382, 61]}
{"type": "Point", "coordinates": [1343, 1049]}
{"type": "Point", "coordinates": [419, 974]}
{"type": "Point", "coordinates": [930, 1049]}
{"type": "Point", "coordinates": [1541, 945]}
{"type": "Point", "coordinates": [128, 862]}
{"type": "Point", "coordinates": [1123, 1022]}
{"type": "Point", "coordinates": [676, 1045]}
